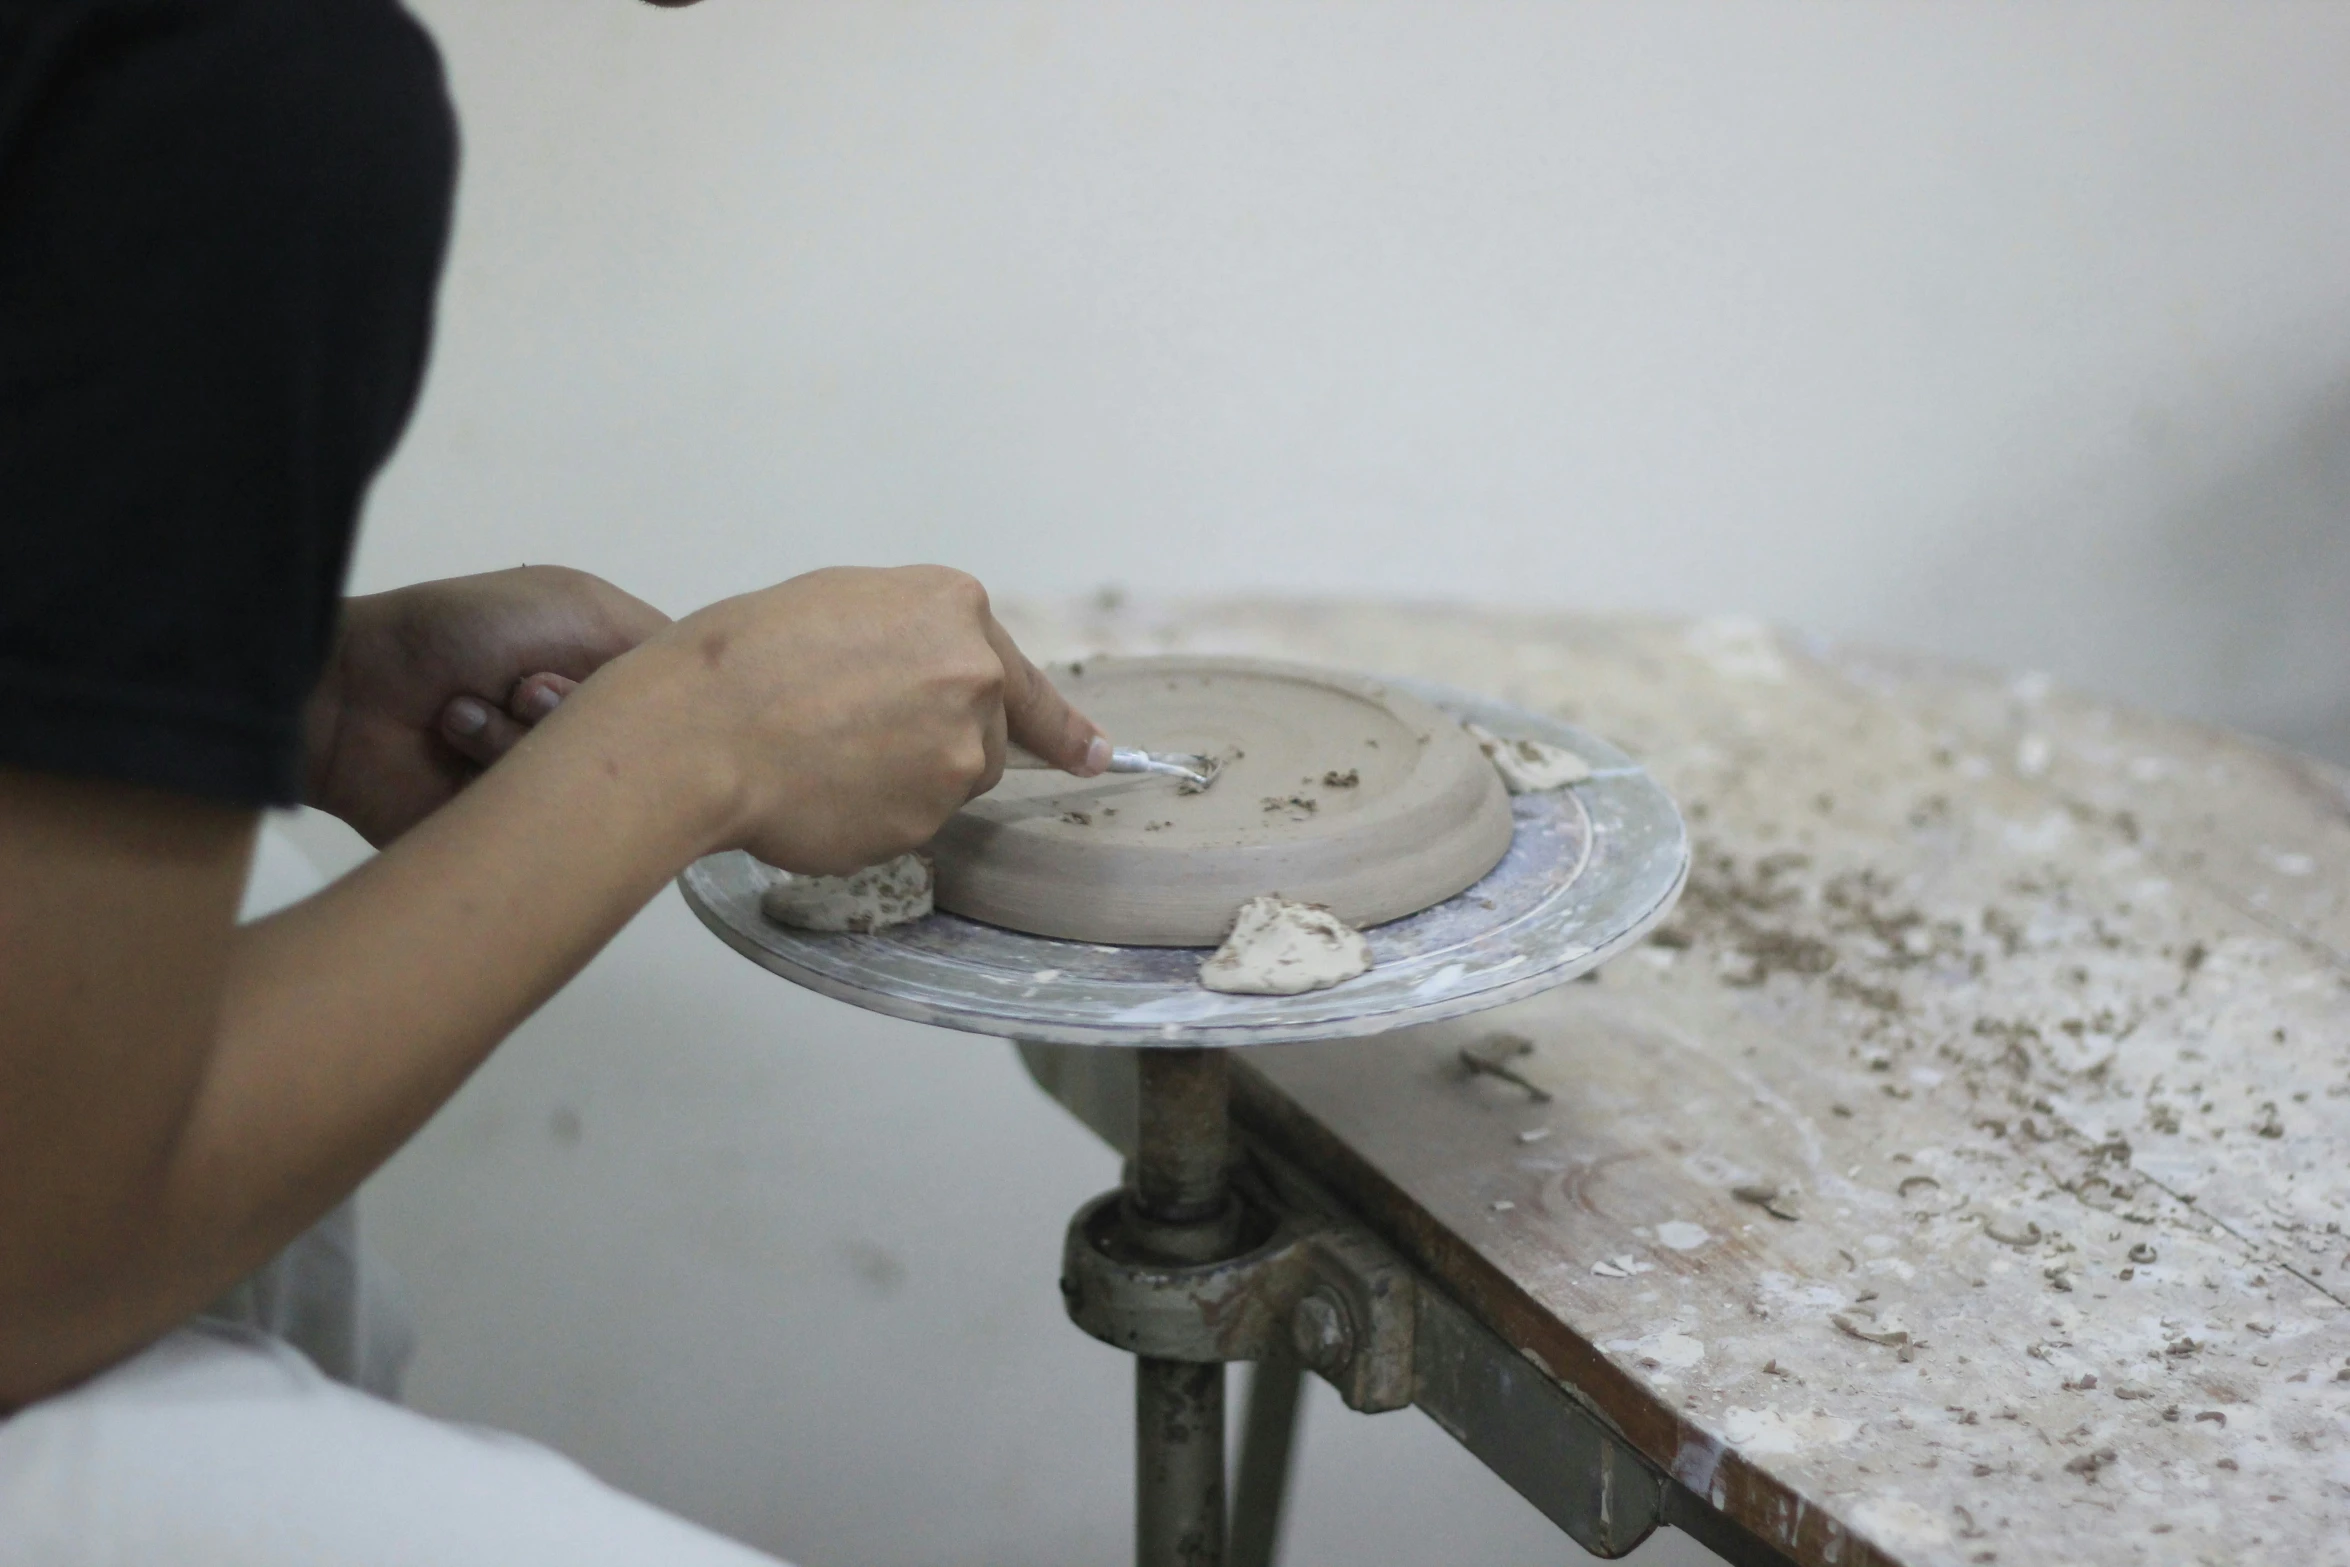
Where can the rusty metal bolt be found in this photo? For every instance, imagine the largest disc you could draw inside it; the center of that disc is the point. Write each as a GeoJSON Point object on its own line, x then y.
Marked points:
{"type": "Point", "coordinates": [1319, 1328]}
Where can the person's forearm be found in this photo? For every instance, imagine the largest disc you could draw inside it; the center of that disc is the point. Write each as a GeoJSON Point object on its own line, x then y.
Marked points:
{"type": "Point", "coordinates": [352, 1016]}
{"type": "Point", "coordinates": [349, 1018]}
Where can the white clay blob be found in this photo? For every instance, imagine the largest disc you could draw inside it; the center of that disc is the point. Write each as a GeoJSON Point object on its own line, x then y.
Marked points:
{"type": "Point", "coordinates": [891, 893]}
{"type": "Point", "coordinates": [1529, 766]}
{"type": "Point", "coordinates": [1281, 948]}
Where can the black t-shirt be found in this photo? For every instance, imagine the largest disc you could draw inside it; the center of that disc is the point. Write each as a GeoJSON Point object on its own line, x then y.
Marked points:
{"type": "Point", "coordinates": [221, 225]}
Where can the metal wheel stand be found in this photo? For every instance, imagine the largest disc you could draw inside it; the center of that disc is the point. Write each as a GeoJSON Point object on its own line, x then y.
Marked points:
{"type": "Point", "coordinates": [1187, 1267]}
{"type": "Point", "coordinates": [1180, 1209]}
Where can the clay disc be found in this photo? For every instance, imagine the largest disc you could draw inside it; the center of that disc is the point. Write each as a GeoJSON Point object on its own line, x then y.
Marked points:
{"type": "Point", "coordinates": [1335, 790]}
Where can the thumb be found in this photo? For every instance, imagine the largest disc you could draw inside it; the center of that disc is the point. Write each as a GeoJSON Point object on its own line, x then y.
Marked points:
{"type": "Point", "coordinates": [1040, 719]}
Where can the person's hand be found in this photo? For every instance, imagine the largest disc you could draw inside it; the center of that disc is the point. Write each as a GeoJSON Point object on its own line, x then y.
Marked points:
{"type": "Point", "coordinates": [429, 684]}
{"type": "Point", "coordinates": [839, 718]}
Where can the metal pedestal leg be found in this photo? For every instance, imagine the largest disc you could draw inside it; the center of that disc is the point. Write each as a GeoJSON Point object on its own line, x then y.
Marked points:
{"type": "Point", "coordinates": [1179, 1206]}
{"type": "Point", "coordinates": [1178, 1464]}
{"type": "Point", "coordinates": [1264, 1462]}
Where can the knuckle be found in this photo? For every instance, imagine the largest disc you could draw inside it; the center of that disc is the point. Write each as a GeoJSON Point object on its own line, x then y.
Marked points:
{"type": "Point", "coordinates": [967, 671]}
{"type": "Point", "coordinates": [984, 672]}
{"type": "Point", "coordinates": [959, 588]}
{"type": "Point", "coordinates": [965, 763]}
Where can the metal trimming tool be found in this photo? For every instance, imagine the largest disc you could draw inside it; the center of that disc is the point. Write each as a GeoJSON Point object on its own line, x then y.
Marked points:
{"type": "Point", "coordinates": [1196, 772]}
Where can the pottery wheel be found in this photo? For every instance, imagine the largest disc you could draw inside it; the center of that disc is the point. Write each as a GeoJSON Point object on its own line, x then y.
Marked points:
{"type": "Point", "coordinates": [1589, 871]}
{"type": "Point", "coordinates": [1335, 789]}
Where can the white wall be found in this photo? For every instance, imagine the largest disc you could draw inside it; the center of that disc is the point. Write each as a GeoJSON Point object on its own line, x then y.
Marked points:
{"type": "Point", "coordinates": [2021, 332]}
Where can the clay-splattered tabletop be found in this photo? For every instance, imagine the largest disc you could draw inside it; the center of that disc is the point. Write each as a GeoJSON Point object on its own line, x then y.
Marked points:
{"type": "Point", "coordinates": [1961, 1175]}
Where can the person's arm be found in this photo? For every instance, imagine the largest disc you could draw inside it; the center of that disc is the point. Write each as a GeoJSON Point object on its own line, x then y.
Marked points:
{"type": "Point", "coordinates": [180, 1097]}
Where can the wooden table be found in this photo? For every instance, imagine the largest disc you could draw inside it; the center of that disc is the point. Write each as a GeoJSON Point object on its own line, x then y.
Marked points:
{"type": "Point", "coordinates": [1961, 1175]}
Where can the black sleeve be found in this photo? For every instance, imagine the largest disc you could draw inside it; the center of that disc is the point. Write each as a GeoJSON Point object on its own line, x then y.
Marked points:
{"type": "Point", "coordinates": [221, 225]}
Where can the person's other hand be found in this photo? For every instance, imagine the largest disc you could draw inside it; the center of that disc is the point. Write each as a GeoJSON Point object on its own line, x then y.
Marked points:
{"type": "Point", "coordinates": [837, 719]}
{"type": "Point", "coordinates": [431, 683]}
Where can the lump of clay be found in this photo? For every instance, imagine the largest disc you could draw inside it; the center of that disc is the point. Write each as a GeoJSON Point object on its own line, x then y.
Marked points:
{"type": "Point", "coordinates": [1281, 948]}
{"type": "Point", "coordinates": [891, 893]}
{"type": "Point", "coordinates": [1529, 766]}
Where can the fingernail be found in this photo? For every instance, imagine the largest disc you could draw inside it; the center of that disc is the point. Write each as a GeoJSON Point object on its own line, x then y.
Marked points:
{"type": "Point", "coordinates": [466, 717]}
{"type": "Point", "coordinates": [1097, 758]}
{"type": "Point", "coordinates": [538, 702]}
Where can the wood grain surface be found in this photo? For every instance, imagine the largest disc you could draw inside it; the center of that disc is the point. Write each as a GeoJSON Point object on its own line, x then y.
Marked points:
{"type": "Point", "coordinates": [1961, 1176]}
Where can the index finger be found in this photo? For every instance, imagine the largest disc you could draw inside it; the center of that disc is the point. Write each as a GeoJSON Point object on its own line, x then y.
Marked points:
{"type": "Point", "coordinates": [1040, 718]}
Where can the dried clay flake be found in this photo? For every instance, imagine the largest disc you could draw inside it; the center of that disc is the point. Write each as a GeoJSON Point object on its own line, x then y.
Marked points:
{"type": "Point", "coordinates": [1283, 948]}
{"type": "Point", "coordinates": [1529, 766]}
{"type": "Point", "coordinates": [891, 893]}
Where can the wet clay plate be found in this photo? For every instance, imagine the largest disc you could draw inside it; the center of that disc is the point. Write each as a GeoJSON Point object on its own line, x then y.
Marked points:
{"type": "Point", "coordinates": [1333, 789]}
